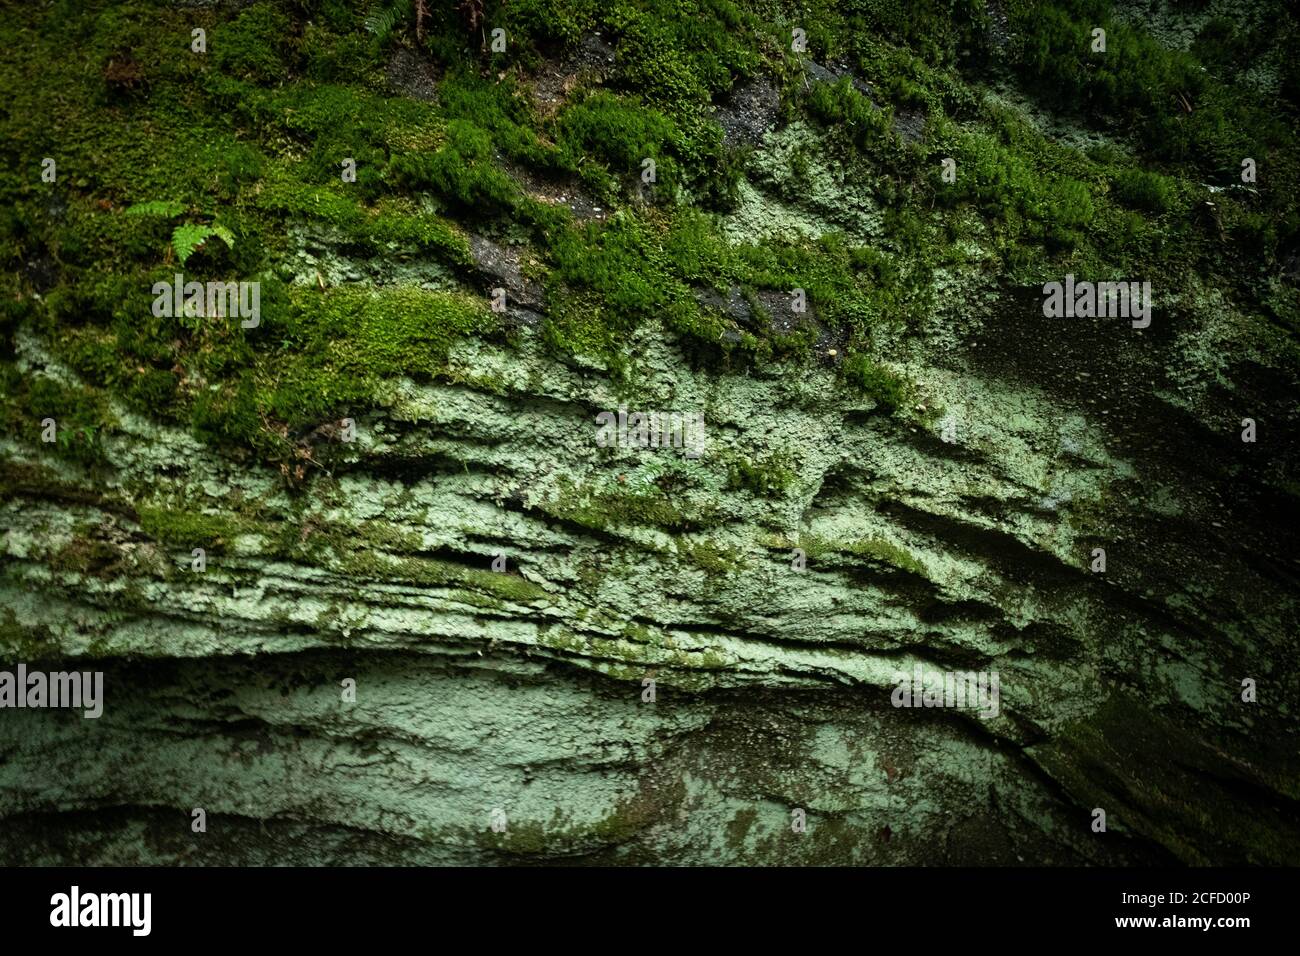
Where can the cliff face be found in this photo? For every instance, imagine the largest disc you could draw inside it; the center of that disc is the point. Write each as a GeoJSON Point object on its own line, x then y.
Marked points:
{"type": "Point", "coordinates": [438, 621]}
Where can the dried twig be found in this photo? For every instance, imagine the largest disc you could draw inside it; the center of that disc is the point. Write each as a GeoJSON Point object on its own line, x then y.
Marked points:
{"type": "Point", "coordinates": [421, 14]}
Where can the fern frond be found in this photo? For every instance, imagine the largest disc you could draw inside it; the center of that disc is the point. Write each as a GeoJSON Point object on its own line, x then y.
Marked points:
{"type": "Point", "coordinates": [224, 234]}
{"type": "Point", "coordinates": [382, 20]}
{"type": "Point", "coordinates": [189, 237]}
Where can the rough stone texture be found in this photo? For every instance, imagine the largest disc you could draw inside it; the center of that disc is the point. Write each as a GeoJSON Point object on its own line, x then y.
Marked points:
{"type": "Point", "coordinates": [522, 690]}
{"type": "Point", "coordinates": [749, 112]}
{"type": "Point", "coordinates": [957, 536]}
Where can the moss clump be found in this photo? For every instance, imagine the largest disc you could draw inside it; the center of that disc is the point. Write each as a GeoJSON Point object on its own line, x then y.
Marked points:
{"type": "Point", "coordinates": [255, 45]}
{"type": "Point", "coordinates": [80, 415]}
{"type": "Point", "coordinates": [497, 586]}
{"type": "Point", "coordinates": [389, 332]}
{"type": "Point", "coordinates": [840, 106]}
{"type": "Point", "coordinates": [607, 508]}
{"type": "Point", "coordinates": [462, 169]}
{"type": "Point", "coordinates": [711, 558]}
{"type": "Point", "coordinates": [889, 390]}
{"type": "Point", "coordinates": [1144, 190]}
{"type": "Point", "coordinates": [335, 348]}
{"type": "Point", "coordinates": [887, 552]}
{"type": "Point", "coordinates": [622, 133]}
{"type": "Point", "coordinates": [773, 475]}
{"type": "Point", "coordinates": [390, 222]}
{"type": "Point", "coordinates": [187, 529]}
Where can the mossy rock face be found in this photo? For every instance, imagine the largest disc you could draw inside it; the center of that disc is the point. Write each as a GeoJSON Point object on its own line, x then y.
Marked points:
{"type": "Point", "coordinates": [670, 647]}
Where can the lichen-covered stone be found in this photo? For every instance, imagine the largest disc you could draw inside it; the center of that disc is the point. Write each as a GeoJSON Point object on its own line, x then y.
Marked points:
{"type": "Point", "coordinates": [914, 472]}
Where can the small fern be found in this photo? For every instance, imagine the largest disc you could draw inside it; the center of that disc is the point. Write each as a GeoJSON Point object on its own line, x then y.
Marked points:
{"type": "Point", "coordinates": [383, 19]}
{"type": "Point", "coordinates": [188, 237]}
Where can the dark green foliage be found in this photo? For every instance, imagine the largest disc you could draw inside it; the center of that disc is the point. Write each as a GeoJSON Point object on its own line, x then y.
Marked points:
{"type": "Point", "coordinates": [256, 45]}
{"type": "Point", "coordinates": [870, 127]}
{"type": "Point", "coordinates": [387, 15]}
{"type": "Point", "coordinates": [462, 170]}
{"type": "Point", "coordinates": [888, 390]}
{"type": "Point", "coordinates": [680, 53]}
{"type": "Point", "coordinates": [79, 414]}
{"type": "Point", "coordinates": [502, 111]}
{"type": "Point", "coordinates": [547, 23]}
{"type": "Point", "coordinates": [1144, 190]}
{"type": "Point", "coordinates": [621, 134]}
{"type": "Point", "coordinates": [251, 136]}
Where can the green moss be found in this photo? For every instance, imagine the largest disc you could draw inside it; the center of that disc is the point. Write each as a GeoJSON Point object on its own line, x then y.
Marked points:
{"type": "Point", "coordinates": [548, 23]}
{"type": "Point", "coordinates": [332, 350]}
{"type": "Point", "coordinates": [1144, 190]}
{"type": "Point", "coordinates": [391, 224]}
{"type": "Point", "coordinates": [502, 111]}
{"type": "Point", "coordinates": [681, 53]}
{"type": "Point", "coordinates": [80, 414]}
{"type": "Point", "coordinates": [338, 51]}
{"type": "Point", "coordinates": [255, 45]}
{"type": "Point", "coordinates": [622, 133]}
{"type": "Point", "coordinates": [187, 529]}
{"type": "Point", "coordinates": [487, 588]}
{"type": "Point", "coordinates": [251, 135]}
{"type": "Point", "coordinates": [22, 642]}
{"type": "Point", "coordinates": [887, 552]}
{"type": "Point", "coordinates": [610, 508]}
{"type": "Point", "coordinates": [399, 331]}
{"type": "Point", "coordinates": [576, 325]}
{"type": "Point", "coordinates": [773, 475]}
{"type": "Point", "coordinates": [839, 105]}
{"type": "Point", "coordinates": [711, 558]}
{"type": "Point", "coordinates": [462, 170]}
{"type": "Point", "coordinates": [505, 585]}
{"type": "Point", "coordinates": [889, 390]}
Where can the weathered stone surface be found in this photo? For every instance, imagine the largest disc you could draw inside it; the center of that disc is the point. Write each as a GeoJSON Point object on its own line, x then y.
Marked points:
{"type": "Point", "coordinates": [955, 533]}
{"type": "Point", "coordinates": [522, 690]}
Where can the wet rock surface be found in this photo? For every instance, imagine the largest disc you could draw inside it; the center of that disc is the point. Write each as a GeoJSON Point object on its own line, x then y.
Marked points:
{"type": "Point", "coordinates": [591, 60]}
{"type": "Point", "coordinates": [500, 264]}
{"type": "Point", "coordinates": [749, 112]}
{"type": "Point", "coordinates": [411, 74]}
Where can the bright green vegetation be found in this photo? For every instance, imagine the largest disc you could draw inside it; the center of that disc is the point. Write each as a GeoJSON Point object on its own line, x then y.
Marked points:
{"type": "Point", "coordinates": [220, 161]}
{"type": "Point", "coordinates": [769, 476]}
{"type": "Point", "coordinates": [186, 528]}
